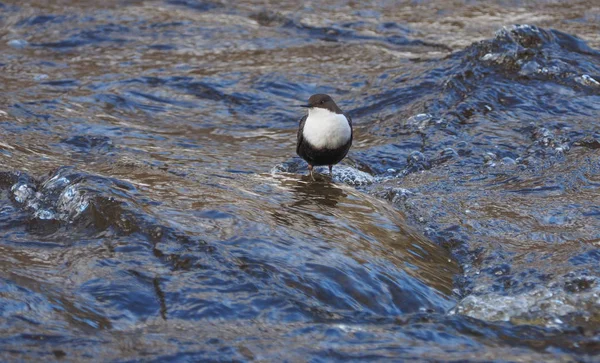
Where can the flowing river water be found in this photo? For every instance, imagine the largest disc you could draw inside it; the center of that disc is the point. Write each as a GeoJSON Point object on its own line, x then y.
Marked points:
{"type": "Point", "coordinates": [153, 209]}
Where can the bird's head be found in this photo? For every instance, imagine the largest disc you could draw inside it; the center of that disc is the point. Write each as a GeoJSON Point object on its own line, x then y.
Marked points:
{"type": "Point", "coordinates": [322, 101]}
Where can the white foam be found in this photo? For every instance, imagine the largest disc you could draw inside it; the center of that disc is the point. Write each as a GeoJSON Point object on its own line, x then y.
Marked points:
{"type": "Point", "coordinates": [351, 176]}
{"type": "Point", "coordinates": [587, 80]}
{"type": "Point", "coordinates": [540, 306]}
{"type": "Point", "coordinates": [341, 173]}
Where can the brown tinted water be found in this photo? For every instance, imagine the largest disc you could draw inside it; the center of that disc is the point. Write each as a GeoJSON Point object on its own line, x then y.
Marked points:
{"type": "Point", "coordinates": [152, 207]}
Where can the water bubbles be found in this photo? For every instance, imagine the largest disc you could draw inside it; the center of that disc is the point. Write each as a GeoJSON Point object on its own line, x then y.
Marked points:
{"type": "Point", "coordinates": [295, 165]}
{"type": "Point", "coordinates": [417, 161]}
{"type": "Point", "coordinates": [57, 181]}
{"type": "Point", "coordinates": [352, 176]}
{"type": "Point", "coordinates": [341, 173]}
{"type": "Point", "coordinates": [67, 195]}
{"type": "Point", "coordinates": [543, 136]}
{"type": "Point", "coordinates": [18, 43]}
{"type": "Point", "coordinates": [580, 284]}
{"type": "Point", "coordinates": [522, 34]}
{"type": "Point", "coordinates": [541, 304]}
{"type": "Point", "coordinates": [587, 80]}
{"type": "Point", "coordinates": [557, 321]}
{"type": "Point", "coordinates": [72, 202]}
{"type": "Point", "coordinates": [396, 195]}
{"type": "Point", "coordinates": [489, 158]}
{"type": "Point", "coordinates": [561, 149]}
{"type": "Point", "coordinates": [44, 214]}
{"type": "Point", "coordinates": [419, 121]}
{"type": "Point", "coordinates": [22, 192]}
{"type": "Point", "coordinates": [491, 57]}
{"type": "Point", "coordinates": [529, 68]}
{"type": "Point", "coordinates": [508, 161]}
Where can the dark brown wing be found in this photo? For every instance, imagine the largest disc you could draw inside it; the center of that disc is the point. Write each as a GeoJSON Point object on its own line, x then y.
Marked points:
{"type": "Point", "coordinates": [300, 136]}
{"type": "Point", "coordinates": [350, 122]}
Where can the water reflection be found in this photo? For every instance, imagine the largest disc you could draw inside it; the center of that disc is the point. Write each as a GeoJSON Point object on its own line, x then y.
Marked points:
{"type": "Point", "coordinates": [320, 192]}
{"type": "Point", "coordinates": [365, 229]}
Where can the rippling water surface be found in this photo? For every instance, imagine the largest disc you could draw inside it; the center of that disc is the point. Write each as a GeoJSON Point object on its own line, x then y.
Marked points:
{"type": "Point", "coordinates": [152, 207]}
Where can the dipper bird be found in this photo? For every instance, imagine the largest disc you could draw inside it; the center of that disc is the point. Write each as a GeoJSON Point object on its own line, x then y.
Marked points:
{"type": "Point", "coordinates": [324, 134]}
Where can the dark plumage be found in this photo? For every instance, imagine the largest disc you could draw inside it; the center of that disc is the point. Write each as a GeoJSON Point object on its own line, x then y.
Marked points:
{"type": "Point", "coordinates": [326, 126]}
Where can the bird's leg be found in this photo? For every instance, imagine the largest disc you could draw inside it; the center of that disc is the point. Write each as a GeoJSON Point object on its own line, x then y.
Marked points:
{"type": "Point", "coordinates": [331, 170]}
{"type": "Point", "coordinates": [310, 170]}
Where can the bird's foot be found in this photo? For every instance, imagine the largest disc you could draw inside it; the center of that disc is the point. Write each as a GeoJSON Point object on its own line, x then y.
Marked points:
{"type": "Point", "coordinates": [310, 170]}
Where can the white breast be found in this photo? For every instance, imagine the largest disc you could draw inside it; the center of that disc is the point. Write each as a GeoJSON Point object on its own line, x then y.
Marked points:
{"type": "Point", "coordinates": [326, 129]}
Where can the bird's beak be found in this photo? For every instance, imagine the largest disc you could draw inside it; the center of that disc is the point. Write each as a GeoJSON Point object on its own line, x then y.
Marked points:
{"type": "Point", "coordinates": [305, 106]}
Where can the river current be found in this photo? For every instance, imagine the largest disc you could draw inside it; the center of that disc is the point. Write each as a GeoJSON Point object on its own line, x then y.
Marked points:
{"type": "Point", "coordinates": [152, 207]}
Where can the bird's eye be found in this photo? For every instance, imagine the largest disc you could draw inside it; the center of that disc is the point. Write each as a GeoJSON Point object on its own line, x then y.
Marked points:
{"type": "Point", "coordinates": [322, 101]}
